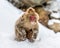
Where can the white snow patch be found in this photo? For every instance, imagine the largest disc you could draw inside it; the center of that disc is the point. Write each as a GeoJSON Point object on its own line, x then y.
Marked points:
{"type": "Point", "coordinates": [56, 15]}
{"type": "Point", "coordinates": [52, 21]}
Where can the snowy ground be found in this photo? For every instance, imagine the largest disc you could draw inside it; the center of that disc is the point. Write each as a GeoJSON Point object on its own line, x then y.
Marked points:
{"type": "Point", "coordinates": [8, 15]}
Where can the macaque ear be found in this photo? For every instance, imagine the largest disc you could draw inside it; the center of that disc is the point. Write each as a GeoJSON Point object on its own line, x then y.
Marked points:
{"type": "Point", "coordinates": [30, 10]}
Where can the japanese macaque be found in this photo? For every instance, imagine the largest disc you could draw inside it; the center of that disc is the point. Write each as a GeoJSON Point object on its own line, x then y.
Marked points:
{"type": "Point", "coordinates": [27, 26]}
{"type": "Point", "coordinates": [43, 16]}
{"type": "Point", "coordinates": [55, 27]}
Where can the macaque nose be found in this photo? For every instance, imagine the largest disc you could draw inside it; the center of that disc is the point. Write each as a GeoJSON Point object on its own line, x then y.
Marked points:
{"type": "Point", "coordinates": [32, 18]}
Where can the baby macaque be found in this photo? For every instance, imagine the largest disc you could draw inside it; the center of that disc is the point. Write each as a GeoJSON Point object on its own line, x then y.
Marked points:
{"type": "Point", "coordinates": [43, 16]}
{"type": "Point", "coordinates": [55, 27]}
{"type": "Point", "coordinates": [27, 26]}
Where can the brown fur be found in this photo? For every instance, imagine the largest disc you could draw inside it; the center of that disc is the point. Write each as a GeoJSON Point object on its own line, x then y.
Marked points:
{"type": "Point", "coordinates": [43, 16]}
{"type": "Point", "coordinates": [55, 27]}
{"type": "Point", "coordinates": [24, 28]}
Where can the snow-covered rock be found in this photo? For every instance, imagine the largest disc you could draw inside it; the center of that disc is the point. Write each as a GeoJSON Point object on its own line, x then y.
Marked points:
{"type": "Point", "coordinates": [52, 21]}
{"type": "Point", "coordinates": [55, 15]}
{"type": "Point", "coordinates": [54, 6]}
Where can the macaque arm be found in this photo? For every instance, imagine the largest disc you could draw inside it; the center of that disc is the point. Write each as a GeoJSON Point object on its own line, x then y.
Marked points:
{"type": "Point", "coordinates": [20, 33]}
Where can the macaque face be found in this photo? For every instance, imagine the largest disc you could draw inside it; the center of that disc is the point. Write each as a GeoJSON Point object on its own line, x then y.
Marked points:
{"type": "Point", "coordinates": [31, 18]}
{"type": "Point", "coordinates": [31, 15]}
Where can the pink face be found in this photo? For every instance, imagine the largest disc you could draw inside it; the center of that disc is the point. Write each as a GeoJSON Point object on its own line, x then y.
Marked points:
{"type": "Point", "coordinates": [32, 18]}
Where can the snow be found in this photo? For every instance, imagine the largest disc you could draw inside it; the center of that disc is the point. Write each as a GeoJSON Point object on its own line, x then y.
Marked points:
{"type": "Point", "coordinates": [54, 6]}
{"type": "Point", "coordinates": [52, 21]}
{"type": "Point", "coordinates": [56, 15]}
{"type": "Point", "coordinates": [8, 16]}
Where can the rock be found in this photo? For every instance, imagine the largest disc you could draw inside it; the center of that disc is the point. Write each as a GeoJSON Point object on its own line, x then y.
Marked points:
{"type": "Point", "coordinates": [23, 4]}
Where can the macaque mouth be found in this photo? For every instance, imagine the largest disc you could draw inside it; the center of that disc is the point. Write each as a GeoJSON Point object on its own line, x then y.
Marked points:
{"type": "Point", "coordinates": [32, 18]}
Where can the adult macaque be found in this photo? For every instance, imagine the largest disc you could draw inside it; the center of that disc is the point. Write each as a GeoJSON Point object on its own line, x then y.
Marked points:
{"type": "Point", "coordinates": [27, 26]}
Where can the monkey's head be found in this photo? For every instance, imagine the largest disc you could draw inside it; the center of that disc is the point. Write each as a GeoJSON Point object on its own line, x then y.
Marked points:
{"type": "Point", "coordinates": [31, 15]}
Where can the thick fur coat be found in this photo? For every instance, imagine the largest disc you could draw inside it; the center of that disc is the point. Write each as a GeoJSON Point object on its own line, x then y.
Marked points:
{"type": "Point", "coordinates": [27, 26]}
